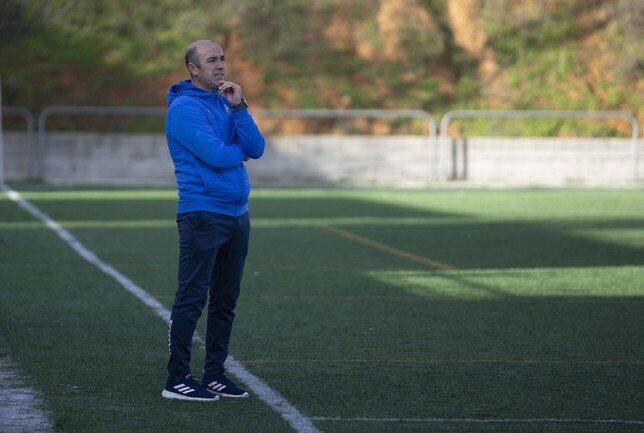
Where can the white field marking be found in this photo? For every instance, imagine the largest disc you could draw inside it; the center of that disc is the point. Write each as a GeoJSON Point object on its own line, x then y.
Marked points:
{"type": "Point", "coordinates": [272, 398]}
{"type": "Point", "coordinates": [485, 420]}
{"type": "Point", "coordinates": [19, 404]}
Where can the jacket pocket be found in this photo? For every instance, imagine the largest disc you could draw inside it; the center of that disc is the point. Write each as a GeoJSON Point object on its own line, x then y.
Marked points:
{"type": "Point", "coordinates": [245, 182]}
{"type": "Point", "coordinates": [220, 184]}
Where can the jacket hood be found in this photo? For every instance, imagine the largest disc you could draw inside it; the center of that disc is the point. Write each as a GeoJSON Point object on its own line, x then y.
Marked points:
{"type": "Point", "coordinates": [183, 88]}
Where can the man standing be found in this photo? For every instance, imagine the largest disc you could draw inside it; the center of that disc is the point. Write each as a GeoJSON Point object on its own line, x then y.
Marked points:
{"type": "Point", "coordinates": [210, 134]}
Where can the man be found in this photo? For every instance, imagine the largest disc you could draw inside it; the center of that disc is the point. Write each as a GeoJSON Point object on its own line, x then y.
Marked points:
{"type": "Point", "coordinates": [210, 134]}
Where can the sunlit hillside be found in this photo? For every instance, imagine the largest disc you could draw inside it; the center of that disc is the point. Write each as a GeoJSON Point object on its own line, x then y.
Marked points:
{"type": "Point", "coordinates": [431, 54]}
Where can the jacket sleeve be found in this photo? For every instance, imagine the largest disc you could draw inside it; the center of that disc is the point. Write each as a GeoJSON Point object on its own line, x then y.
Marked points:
{"type": "Point", "coordinates": [248, 137]}
{"type": "Point", "coordinates": [187, 123]}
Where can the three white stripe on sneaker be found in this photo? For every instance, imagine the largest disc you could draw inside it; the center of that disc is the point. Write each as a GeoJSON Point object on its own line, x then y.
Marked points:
{"type": "Point", "coordinates": [216, 386]}
{"type": "Point", "coordinates": [183, 389]}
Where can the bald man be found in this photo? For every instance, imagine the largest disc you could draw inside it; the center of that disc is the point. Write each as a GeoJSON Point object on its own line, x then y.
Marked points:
{"type": "Point", "coordinates": [210, 135]}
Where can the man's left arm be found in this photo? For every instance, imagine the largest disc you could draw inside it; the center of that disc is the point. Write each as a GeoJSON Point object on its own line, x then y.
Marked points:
{"type": "Point", "coordinates": [248, 136]}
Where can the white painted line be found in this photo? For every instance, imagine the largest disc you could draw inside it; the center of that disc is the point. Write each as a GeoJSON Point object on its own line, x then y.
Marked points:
{"type": "Point", "coordinates": [484, 420]}
{"type": "Point", "coordinates": [267, 394]}
{"type": "Point", "coordinates": [19, 404]}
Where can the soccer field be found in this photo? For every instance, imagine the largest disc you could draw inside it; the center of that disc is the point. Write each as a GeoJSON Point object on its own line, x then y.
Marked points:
{"type": "Point", "coordinates": [367, 310]}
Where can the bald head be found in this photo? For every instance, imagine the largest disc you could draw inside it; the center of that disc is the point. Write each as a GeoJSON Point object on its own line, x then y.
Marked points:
{"type": "Point", "coordinates": [192, 52]}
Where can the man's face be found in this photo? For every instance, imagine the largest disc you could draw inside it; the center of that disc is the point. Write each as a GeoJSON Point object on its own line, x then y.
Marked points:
{"type": "Point", "coordinates": [211, 70]}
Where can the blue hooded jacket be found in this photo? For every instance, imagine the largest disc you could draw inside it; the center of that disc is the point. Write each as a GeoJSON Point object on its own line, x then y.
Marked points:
{"type": "Point", "coordinates": [208, 142]}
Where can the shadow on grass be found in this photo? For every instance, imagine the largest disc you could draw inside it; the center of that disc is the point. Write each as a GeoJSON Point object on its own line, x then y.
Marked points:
{"type": "Point", "coordinates": [459, 240]}
{"type": "Point", "coordinates": [132, 209]}
{"type": "Point", "coordinates": [512, 244]}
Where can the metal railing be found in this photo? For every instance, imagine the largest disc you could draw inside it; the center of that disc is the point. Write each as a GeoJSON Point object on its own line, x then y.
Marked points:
{"type": "Point", "coordinates": [363, 114]}
{"type": "Point", "coordinates": [265, 112]}
{"type": "Point", "coordinates": [29, 120]}
{"type": "Point", "coordinates": [93, 110]}
{"type": "Point", "coordinates": [549, 114]}
{"type": "Point", "coordinates": [438, 149]}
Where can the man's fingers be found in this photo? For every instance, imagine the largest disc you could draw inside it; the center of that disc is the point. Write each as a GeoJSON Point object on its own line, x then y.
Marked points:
{"type": "Point", "coordinates": [228, 85]}
{"type": "Point", "coordinates": [232, 92]}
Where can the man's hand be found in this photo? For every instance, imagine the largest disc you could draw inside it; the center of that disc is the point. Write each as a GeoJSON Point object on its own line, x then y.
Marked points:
{"type": "Point", "coordinates": [231, 91]}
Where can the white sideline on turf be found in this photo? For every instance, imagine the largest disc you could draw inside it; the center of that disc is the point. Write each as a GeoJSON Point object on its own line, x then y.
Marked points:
{"type": "Point", "coordinates": [19, 404]}
{"type": "Point", "coordinates": [271, 397]}
{"type": "Point", "coordinates": [485, 420]}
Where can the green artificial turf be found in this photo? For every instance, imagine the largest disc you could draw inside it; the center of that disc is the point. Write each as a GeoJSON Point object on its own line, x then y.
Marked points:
{"type": "Point", "coordinates": [540, 316]}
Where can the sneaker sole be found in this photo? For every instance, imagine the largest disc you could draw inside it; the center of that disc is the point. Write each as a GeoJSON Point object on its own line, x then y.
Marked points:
{"type": "Point", "coordinates": [175, 396]}
{"type": "Point", "coordinates": [244, 395]}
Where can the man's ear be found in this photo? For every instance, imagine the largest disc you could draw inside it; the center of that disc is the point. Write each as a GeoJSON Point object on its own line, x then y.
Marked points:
{"type": "Point", "coordinates": [193, 69]}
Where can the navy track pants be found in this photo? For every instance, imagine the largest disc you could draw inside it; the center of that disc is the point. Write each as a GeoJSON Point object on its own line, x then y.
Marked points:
{"type": "Point", "coordinates": [212, 252]}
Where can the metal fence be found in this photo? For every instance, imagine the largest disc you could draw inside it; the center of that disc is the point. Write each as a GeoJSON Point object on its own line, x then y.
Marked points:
{"type": "Point", "coordinates": [439, 150]}
{"type": "Point", "coordinates": [546, 114]}
{"type": "Point", "coordinates": [362, 114]}
{"type": "Point", "coordinates": [292, 113]}
{"type": "Point", "coordinates": [88, 110]}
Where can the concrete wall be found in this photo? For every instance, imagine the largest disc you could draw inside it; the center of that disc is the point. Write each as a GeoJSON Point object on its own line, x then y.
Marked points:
{"type": "Point", "coordinates": [544, 159]}
{"type": "Point", "coordinates": [17, 154]}
{"type": "Point", "coordinates": [92, 158]}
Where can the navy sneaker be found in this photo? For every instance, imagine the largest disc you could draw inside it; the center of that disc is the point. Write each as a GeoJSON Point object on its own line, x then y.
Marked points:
{"type": "Point", "coordinates": [187, 389]}
{"type": "Point", "coordinates": [221, 385]}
